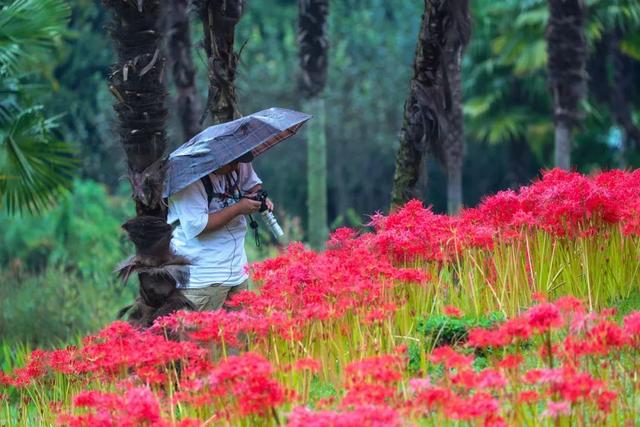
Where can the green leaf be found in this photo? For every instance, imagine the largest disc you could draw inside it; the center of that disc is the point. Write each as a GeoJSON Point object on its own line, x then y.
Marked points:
{"type": "Point", "coordinates": [26, 28]}
{"type": "Point", "coordinates": [35, 168]}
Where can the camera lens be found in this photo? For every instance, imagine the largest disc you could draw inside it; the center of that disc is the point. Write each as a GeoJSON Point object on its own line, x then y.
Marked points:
{"type": "Point", "coordinates": [272, 223]}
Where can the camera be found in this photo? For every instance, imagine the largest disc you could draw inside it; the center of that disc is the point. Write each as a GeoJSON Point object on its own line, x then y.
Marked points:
{"type": "Point", "coordinates": [267, 215]}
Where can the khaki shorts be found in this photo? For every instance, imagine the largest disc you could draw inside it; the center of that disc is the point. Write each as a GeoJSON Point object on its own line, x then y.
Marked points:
{"type": "Point", "coordinates": [214, 297]}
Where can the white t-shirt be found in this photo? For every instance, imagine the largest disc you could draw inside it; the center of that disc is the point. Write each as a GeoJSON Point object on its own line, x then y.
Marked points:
{"type": "Point", "coordinates": [216, 256]}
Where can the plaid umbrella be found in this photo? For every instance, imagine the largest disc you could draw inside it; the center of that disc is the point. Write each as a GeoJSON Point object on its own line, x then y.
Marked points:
{"type": "Point", "coordinates": [219, 145]}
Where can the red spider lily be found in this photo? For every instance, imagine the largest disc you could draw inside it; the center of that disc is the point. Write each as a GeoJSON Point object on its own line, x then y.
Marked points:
{"type": "Point", "coordinates": [480, 405]}
{"type": "Point", "coordinates": [528, 396]}
{"type": "Point", "coordinates": [138, 406]}
{"type": "Point", "coordinates": [238, 385]}
{"type": "Point", "coordinates": [450, 358]}
{"type": "Point", "coordinates": [365, 393]}
{"type": "Point", "coordinates": [511, 361]}
{"type": "Point", "coordinates": [341, 237]}
{"type": "Point", "coordinates": [543, 317]}
{"type": "Point", "coordinates": [605, 399]}
{"type": "Point", "coordinates": [385, 370]}
{"type": "Point", "coordinates": [556, 409]}
{"type": "Point", "coordinates": [480, 337]}
{"type": "Point", "coordinates": [368, 415]}
{"type": "Point", "coordinates": [308, 364]}
{"type": "Point", "coordinates": [632, 327]}
{"type": "Point", "coordinates": [451, 311]}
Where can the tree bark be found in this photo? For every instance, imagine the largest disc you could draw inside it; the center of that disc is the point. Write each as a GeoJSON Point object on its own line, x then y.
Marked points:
{"type": "Point", "coordinates": [316, 173]}
{"type": "Point", "coordinates": [454, 135]}
{"type": "Point", "coordinates": [424, 108]}
{"type": "Point", "coordinates": [314, 45]}
{"type": "Point", "coordinates": [136, 81]}
{"type": "Point", "coordinates": [567, 52]}
{"type": "Point", "coordinates": [562, 151]}
{"type": "Point", "coordinates": [182, 67]}
{"type": "Point", "coordinates": [219, 20]}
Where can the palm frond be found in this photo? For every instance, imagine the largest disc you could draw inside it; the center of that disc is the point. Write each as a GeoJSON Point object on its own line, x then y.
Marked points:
{"type": "Point", "coordinates": [27, 27]}
{"type": "Point", "coordinates": [36, 168]}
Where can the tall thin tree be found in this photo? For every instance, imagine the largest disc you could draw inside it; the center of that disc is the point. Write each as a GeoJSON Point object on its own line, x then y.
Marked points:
{"type": "Point", "coordinates": [453, 144]}
{"type": "Point", "coordinates": [182, 68]}
{"type": "Point", "coordinates": [136, 81]}
{"type": "Point", "coordinates": [424, 109]}
{"type": "Point", "coordinates": [219, 20]}
{"type": "Point", "coordinates": [314, 45]}
{"type": "Point", "coordinates": [567, 57]}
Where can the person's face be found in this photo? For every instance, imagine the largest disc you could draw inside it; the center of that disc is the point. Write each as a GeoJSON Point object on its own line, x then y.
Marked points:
{"type": "Point", "coordinates": [226, 168]}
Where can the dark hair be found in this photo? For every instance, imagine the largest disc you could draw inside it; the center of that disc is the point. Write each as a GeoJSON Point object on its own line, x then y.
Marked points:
{"type": "Point", "coordinates": [245, 158]}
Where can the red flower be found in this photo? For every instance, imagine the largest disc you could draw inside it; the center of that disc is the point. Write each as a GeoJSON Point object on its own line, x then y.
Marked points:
{"type": "Point", "coordinates": [543, 317]}
{"type": "Point", "coordinates": [451, 311]}
{"type": "Point", "coordinates": [450, 358]}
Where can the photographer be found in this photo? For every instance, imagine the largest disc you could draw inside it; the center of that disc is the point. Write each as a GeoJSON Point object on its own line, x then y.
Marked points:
{"type": "Point", "coordinates": [211, 230]}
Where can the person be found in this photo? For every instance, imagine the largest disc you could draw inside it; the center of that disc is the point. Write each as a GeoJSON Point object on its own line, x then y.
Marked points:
{"type": "Point", "coordinates": [211, 229]}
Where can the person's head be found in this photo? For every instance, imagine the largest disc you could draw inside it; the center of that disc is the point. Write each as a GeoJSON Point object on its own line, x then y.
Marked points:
{"type": "Point", "coordinates": [233, 165]}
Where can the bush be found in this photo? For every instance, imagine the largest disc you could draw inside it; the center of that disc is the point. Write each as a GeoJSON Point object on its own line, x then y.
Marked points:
{"type": "Point", "coordinates": [55, 306]}
{"type": "Point", "coordinates": [56, 270]}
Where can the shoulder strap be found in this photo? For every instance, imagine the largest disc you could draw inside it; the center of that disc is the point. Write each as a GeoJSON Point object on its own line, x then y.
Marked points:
{"type": "Point", "coordinates": [208, 187]}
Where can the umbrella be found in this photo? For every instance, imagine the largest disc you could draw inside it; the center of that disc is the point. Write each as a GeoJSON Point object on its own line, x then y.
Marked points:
{"type": "Point", "coordinates": [219, 145]}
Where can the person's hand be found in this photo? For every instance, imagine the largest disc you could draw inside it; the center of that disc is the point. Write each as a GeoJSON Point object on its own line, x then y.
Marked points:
{"type": "Point", "coordinates": [248, 206]}
{"type": "Point", "coordinates": [269, 204]}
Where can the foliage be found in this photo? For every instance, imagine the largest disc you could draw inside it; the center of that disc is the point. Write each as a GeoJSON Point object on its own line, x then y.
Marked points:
{"type": "Point", "coordinates": [35, 166]}
{"type": "Point", "coordinates": [81, 235]}
{"type": "Point", "coordinates": [453, 330]}
{"type": "Point", "coordinates": [56, 270]}
{"type": "Point", "coordinates": [55, 306]}
{"type": "Point", "coordinates": [507, 109]}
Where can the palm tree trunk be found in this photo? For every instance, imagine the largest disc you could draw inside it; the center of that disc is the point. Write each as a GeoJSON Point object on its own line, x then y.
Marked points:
{"type": "Point", "coordinates": [562, 149]}
{"type": "Point", "coordinates": [424, 108]}
{"type": "Point", "coordinates": [219, 20]}
{"type": "Point", "coordinates": [312, 38]}
{"type": "Point", "coordinates": [136, 80]}
{"type": "Point", "coordinates": [182, 68]}
{"type": "Point", "coordinates": [567, 51]}
{"type": "Point", "coordinates": [454, 136]}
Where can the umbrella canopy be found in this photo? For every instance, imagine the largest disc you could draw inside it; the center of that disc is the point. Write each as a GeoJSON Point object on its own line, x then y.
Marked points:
{"type": "Point", "coordinates": [219, 145]}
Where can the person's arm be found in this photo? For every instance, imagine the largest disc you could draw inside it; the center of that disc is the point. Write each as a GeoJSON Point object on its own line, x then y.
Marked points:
{"type": "Point", "coordinates": [251, 183]}
{"type": "Point", "coordinates": [219, 219]}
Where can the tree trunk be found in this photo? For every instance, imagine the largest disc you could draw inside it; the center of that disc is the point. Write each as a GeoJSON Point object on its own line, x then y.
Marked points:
{"type": "Point", "coordinates": [454, 136]}
{"type": "Point", "coordinates": [562, 151]}
{"type": "Point", "coordinates": [316, 173]}
{"type": "Point", "coordinates": [182, 68]}
{"type": "Point", "coordinates": [136, 80]}
{"type": "Point", "coordinates": [567, 52]}
{"type": "Point", "coordinates": [424, 108]}
{"type": "Point", "coordinates": [312, 38]}
{"type": "Point", "coordinates": [219, 20]}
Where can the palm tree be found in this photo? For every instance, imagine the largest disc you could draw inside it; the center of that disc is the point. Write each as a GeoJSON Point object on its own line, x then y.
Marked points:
{"type": "Point", "coordinates": [36, 168]}
{"type": "Point", "coordinates": [182, 67]}
{"type": "Point", "coordinates": [219, 20]}
{"type": "Point", "coordinates": [454, 136]}
{"type": "Point", "coordinates": [567, 57]}
{"type": "Point", "coordinates": [312, 39]}
{"type": "Point", "coordinates": [424, 110]}
{"type": "Point", "coordinates": [137, 82]}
